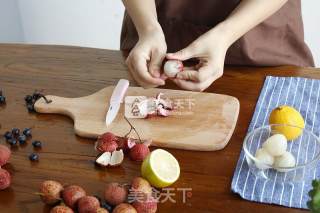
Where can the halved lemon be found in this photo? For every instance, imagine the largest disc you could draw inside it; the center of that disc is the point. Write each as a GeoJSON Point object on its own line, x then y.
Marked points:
{"type": "Point", "coordinates": [160, 168]}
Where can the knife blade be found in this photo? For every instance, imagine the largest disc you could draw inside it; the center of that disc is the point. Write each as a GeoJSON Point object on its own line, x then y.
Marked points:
{"type": "Point", "coordinates": [116, 100]}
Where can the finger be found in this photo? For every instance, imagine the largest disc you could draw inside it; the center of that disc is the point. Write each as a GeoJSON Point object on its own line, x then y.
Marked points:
{"type": "Point", "coordinates": [156, 63]}
{"type": "Point", "coordinates": [133, 73]}
{"type": "Point", "coordinates": [182, 55]}
{"type": "Point", "coordinates": [137, 78]}
{"type": "Point", "coordinates": [198, 76]}
{"type": "Point", "coordinates": [193, 86]}
{"type": "Point", "coordinates": [188, 75]}
{"type": "Point", "coordinates": [140, 66]}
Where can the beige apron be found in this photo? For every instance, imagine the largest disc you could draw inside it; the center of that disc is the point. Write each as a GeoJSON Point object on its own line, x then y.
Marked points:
{"type": "Point", "coordinates": [279, 40]}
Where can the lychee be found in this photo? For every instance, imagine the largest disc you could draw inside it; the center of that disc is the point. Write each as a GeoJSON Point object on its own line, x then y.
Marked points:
{"type": "Point", "coordinates": [5, 179]}
{"type": "Point", "coordinates": [88, 204]}
{"type": "Point", "coordinates": [172, 68]}
{"type": "Point", "coordinates": [124, 208]}
{"type": "Point", "coordinates": [61, 209]}
{"type": "Point", "coordinates": [102, 210]}
{"type": "Point", "coordinates": [106, 146]}
{"type": "Point", "coordinates": [71, 195]}
{"type": "Point", "coordinates": [150, 205]}
{"type": "Point", "coordinates": [5, 154]}
{"type": "Point", "coordinates": [115, 193]}
{"type": "Point", "coordinates": [50, 191]}
{"type": "Point", "coordinates": [139, 152]}
{"type": "Point", "coordinates": [140, 188]}
{"type": "Point", "coordinates": [107, 137]}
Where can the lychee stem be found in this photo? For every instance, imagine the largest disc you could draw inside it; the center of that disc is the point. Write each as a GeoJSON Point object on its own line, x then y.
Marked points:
{"type": "Point", "coordinates": [132, 128]}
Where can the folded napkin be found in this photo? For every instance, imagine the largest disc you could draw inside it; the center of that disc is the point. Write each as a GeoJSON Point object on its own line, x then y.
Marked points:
{"type": "Point", "coordinates": [302, 94]}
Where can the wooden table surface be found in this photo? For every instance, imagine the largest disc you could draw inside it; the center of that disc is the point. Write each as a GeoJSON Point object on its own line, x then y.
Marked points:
{"type": "Point", "coordinates": [72, 72]}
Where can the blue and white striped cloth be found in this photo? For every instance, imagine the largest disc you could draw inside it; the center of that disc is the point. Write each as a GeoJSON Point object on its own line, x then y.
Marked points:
{"type": "Point", "coordinates": [302, 94]}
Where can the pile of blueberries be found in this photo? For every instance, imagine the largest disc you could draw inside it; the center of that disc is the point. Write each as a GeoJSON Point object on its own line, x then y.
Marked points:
{"type": "Point", "coordinates": [14, 137]}
{"type": "Point", "coordinates": [31, 100]}
{"type": "Point", "coordinates": [2, 98]}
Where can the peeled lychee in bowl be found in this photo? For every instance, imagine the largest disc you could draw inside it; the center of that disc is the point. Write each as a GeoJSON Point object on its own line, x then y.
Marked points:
{"type": "Point", "coordinates": [270, 155]}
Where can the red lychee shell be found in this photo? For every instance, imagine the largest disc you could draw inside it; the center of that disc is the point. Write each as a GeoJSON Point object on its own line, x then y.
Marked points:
{"type": "Point", "coordinates": [5, 154]}
{"type": "Point", "coordinates": [88, 204]}
{"type": "Point", "coordinates": [107, 137]}
{"type": "Point", "coordinates": [141, 185]}
{"type": "Point", "coordinates": [148, 206]}
{"type": "Point", "coordinates": [104, 146]}
{"type": "Point", "coordinates": [61, 209]}
{"type": "Point", "coordinates": [115, 194]}
{"type": "Point", "coordinates": [126, 143]}
{"type": "Point", "coordinates": [124, 208]}
{"type": "Point", "coordinates": [139, 152]}
{"type": "Point", "coordinates": [5, 179]}
{"type": "Point", "coordinates": [51, 192]}
{"type": "Point", "coordinates": [71, 195]}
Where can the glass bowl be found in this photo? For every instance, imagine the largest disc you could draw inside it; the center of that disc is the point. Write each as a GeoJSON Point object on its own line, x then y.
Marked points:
{"type": "Point", "coordinates": [305, 149]}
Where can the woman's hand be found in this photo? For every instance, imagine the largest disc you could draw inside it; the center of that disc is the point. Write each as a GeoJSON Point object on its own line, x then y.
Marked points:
{"type": "Point", "coordinates": [145, 59]}
{"type": "Point", "coordinates": [210, 49]}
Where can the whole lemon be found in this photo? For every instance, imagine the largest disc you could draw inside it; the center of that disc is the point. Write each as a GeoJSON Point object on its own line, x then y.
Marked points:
{"type": "Point", "coordinates": [289, 116]}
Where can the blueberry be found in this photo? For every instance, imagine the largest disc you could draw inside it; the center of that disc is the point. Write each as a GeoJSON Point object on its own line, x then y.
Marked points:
{"type": "Point", "coordinates": [8, 135]}
{"type": "Point", "coordinates": [15, 131]}
{"type": "Point", "coordinates": [37, 144]}
{"type": "Point", "coordinates": [28, 99]}
{"type": "Point", "coordinates": [12, 142]}
{"type": "Point", "coordinates": [33, 157]}
{"type": "Point", "coordinates": [22, 139]}
{"type": "Point", "coordinates": [2, 99]}
{"type": "Point", "coordinates": [30, 107]}
{"type": "Point", "coordinates": [106, 206]}
{"type": "Point", "coordinates": [27, 132]}
{"type": "Point", "coordinates": [36, 96]}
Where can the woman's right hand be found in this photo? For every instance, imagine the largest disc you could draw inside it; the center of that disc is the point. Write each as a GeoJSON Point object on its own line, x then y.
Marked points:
{"type": "Point", "coordinates": [145, 59]}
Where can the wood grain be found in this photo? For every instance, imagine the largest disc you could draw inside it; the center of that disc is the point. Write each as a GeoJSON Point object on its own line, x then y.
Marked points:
{"type": "Point", "coordinates": [207, 126]}
{"type": "Point", "coordinates": [75, 72]}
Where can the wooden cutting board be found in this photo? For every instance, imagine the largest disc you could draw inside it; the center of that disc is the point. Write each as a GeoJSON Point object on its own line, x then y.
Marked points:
{"type": "Point", "coordinates": [203, 121]}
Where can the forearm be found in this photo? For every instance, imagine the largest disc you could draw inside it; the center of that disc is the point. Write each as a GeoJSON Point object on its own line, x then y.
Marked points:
{"type": "Point", "coordinates": [247, 15]}
{"type": "Point", "coordinates": [143, 14]}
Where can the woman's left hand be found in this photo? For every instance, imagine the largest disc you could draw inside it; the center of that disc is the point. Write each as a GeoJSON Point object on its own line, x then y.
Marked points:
{"type": "Point", "coordinates": [210, 49]}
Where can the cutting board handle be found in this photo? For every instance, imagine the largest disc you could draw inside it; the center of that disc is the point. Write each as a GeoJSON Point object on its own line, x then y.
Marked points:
{"type": "Point", "coordinates": [58, 105]}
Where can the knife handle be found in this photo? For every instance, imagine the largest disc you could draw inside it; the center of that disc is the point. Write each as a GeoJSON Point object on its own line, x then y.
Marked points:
{"type": "Point", "coordinates": [119, 91]}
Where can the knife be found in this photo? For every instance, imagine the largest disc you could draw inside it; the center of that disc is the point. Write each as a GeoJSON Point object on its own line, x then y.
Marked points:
{"type": "Point", "coordinates": [116, 100]}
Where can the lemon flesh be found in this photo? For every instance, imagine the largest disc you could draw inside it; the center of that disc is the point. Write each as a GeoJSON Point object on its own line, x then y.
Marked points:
{"type": "Point", "coordinates": [287, 115]}
{"type": "Point", "coordinates": [160, 168]}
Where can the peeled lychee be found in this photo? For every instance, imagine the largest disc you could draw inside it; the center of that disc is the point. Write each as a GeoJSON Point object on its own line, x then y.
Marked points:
{"type": "Point", "coordinates": [276, 145]}
{"type": "Point", "coordinates": [139, 152]}
{"type": "Point", "coordinates": [172, 68]}
{"type": "Point", "coordinates": [124, 208]}
{"type": "Point", "coordinates": [50, 192]}
{"type": "Point", "coordinates": [5, 179]}
{"type": "Point", "coordinates": [116, 158]}
{"type": "Point", "coordinates": [115, 194]}
{"type": "Point", "coordinates": [285, 160]}
{"type": "Point", "coordinates": [71, 195]}
{"type": "Point", "coordinates": [5, 154]}
{"type": "Point", "coordinates": [61, 209]}
{"type": "Point", "coordinates": [140, 188]}
{"type": "Point", "coordinates": [150, 205]}
{"type": "Point", "coordinates": [264, 159]}
{"type": "Point", "coordinates": [110, 159]}
{"type": "Point", "coordinates": [104, 159]}
{"type": "Point", "coordinates": [88, 204]}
